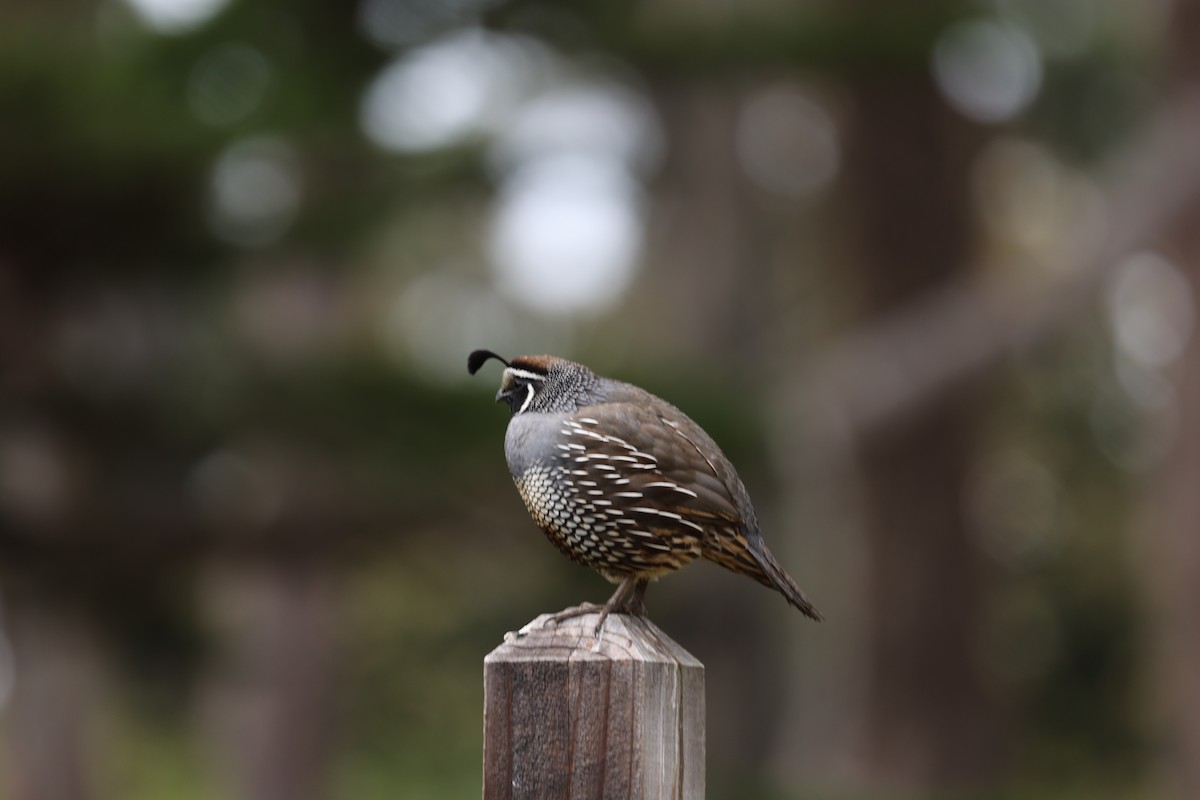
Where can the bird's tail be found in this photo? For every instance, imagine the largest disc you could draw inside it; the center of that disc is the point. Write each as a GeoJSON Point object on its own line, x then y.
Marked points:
{"type": "Point", "coordinates": [755, 561]}
{"type": "Point", "coordinates": [780, 580]}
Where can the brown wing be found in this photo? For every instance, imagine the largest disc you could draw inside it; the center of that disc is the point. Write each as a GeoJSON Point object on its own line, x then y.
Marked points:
{"type": "Point", "coordinates": [648, 463]}
{"type": "Point", "coordinates": [674, 476]}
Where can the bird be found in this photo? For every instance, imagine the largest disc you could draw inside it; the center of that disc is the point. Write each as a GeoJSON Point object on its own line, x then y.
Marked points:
{"type": "Point", "coordinates": [625, 483]}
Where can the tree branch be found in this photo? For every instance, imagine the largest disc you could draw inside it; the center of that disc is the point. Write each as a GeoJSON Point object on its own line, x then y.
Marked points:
{"type": "Point", "coordinates": [888, 370]}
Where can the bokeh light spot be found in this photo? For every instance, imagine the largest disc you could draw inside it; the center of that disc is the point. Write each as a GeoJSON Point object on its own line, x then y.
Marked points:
{"type": "Point", "coordinates": [228, 84]}
{"type": "Point", "coordinates": [416, 329]}
{"type": "Point", "coordinates": [255, 191]}
{"type": "Point", "coordinates": [989, 71]}
{"type": "Point", "coordinates": [786, 143]}
{"type": "Point", "coordinates": [1126, 434]}
{"type": "Point", "coordinates": [1047, 214]}
{"type": "Point", "coordinates": [438, 95]}
{"type": "Point", "coordinates": [1150, 310]}
{"type": "Point", "coordinates": [402, 23]}
{"type": "Point", "coordinates": [566, 234]}
{"type": "Point", "coordinates": [1062, 28]}
{"type": "Point", "coordinates": [36, 482]}
{"type": "Point", "coordinates": [176, 16]}
{"type": "Point", "coordinates": [599, 119]}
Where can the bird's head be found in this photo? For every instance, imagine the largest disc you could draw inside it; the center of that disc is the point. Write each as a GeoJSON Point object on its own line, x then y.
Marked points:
{"type": "Point", "coordinates": [537, 384]}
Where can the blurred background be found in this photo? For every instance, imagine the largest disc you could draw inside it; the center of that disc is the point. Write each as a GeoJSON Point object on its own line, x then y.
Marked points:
{"type": "Point", "coordinates": [928, 272]}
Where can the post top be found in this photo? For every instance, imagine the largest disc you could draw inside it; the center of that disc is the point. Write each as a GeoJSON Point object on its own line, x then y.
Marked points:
{"type": "Point", "coordinates": [623, 638]}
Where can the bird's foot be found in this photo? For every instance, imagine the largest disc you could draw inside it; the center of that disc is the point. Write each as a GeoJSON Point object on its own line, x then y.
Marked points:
{"type": "Point", "coordinates": [629, 598]}
{"type": "Point", "coordinates": [635, 606]}
{"type": "Point", "coordinates": [633, 609]}
{"type": "Point", "coordinates": [562, 616]}
{"type": "Point", "coordinates": [577, 611]}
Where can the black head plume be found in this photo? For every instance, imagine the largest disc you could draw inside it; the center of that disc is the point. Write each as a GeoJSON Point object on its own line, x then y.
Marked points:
{"type": "Point", "coordinates": [480, 357]}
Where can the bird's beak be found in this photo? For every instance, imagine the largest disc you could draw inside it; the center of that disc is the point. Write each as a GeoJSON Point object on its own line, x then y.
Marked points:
{"type": "Point", "coordinates": [508, 385]}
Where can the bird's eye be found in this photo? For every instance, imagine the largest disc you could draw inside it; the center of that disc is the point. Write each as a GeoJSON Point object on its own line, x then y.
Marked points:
{"type": "Point", "coordinates": [518, 387]}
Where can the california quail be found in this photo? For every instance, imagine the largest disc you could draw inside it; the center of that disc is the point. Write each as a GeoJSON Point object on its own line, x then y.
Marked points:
{"type": "Point", "coordinates": [624, 482]}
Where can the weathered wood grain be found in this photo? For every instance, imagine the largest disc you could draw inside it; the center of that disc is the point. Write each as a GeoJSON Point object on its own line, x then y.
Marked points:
{"type": "Point", "coordinates": [569, 716]}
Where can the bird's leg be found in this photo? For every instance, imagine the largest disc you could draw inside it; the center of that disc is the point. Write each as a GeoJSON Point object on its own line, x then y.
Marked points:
{"type": "Point", "coordinates": [620, 601]}
{"type": "Point", "coordinates": [637, 602]}
{"type": "Point", "coordinates": [629, 598]}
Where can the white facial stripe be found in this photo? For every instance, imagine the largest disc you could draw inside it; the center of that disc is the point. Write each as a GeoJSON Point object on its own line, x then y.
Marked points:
{"type": "Point", "coordinates": [528, 397]}
{"type": "Point", "coordinates": [525, 374]}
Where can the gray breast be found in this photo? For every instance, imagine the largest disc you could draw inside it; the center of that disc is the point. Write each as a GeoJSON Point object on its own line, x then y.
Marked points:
{"type": "Point", "coordinates": [530, 441]}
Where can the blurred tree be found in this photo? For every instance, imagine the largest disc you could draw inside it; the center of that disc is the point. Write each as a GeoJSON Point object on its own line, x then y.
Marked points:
{"type": "Point", "coordinates": [174, 394]}
{"type": "Point", "coordinates": [930, 723]}
{"type": "Point", "coordinates": [1174, 565]}
{"type": "Point", "coordinates": [271, 702]}
{"type": "Point", "coordinates": [58, 659]}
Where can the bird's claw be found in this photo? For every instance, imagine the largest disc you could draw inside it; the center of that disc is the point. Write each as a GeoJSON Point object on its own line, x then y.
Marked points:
{"type": "Point", "coordinates": [577, 611]}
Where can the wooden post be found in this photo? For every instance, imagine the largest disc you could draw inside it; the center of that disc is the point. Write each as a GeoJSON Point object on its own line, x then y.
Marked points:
{"type": "Point", "coordinates": [570, 715]}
